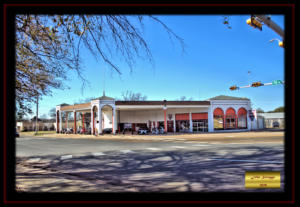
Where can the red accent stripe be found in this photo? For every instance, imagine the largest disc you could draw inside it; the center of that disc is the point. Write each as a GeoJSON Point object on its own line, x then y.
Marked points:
{"type": "Point", "coordinates": [182, 117]}
{"type": "Point", "coordinates": [218, 112]}
{"type": "Point", "coordinates": [196, 116]}
{"type": "Point", "coordinates": [242, 111]}
{"type": "Point", "coordinates": [230, 111]}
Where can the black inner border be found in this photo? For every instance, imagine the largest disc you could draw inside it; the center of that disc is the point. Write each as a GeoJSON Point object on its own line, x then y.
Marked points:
{"type": "Point", "coordinates": [11, 11]}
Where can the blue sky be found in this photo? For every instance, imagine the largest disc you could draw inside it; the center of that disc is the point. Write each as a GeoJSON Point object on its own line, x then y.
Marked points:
{"type": "Point", "coordinates": [215, 58]}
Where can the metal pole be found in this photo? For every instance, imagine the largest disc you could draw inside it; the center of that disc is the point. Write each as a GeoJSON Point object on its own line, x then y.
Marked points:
{"type": "Point", "coordinates": [37, 107]}
{"type": "Point", "coordinates": [37, 114]}
{"type": "Point", "coordinates": [267, 20]}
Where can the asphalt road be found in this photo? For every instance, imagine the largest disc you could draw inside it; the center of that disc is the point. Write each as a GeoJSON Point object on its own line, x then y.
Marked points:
{"type": "Point", "coordinates": [32, 146]}
{"type": "Point", "coordinates": [85, 165]}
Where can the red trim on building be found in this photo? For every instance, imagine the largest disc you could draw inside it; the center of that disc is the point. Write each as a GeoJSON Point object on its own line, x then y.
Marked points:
{"type": "Point", "coordinates": [197, 116]}
{"type": "Point", "coordinates": [75, 129]}
{"type": "Point", "coordinates": [219, 112]}
{"type": "Point", "coordinates": [230, 111]}
{"type": "Point", "coordinates": [83, 122]}
{"type": "Point", "coordinates": [243, 111]}
{"type": "Point", "coordinates": [231, 114]}
{"type": "Point", "coordinates": [179, 117]}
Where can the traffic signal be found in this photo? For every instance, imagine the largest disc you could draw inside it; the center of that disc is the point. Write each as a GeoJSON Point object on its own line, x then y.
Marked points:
{"type": "Point", "coordinates": [281, 44]}
{"type": "Point", "coordinates": [233, 88]}
{"type": "Point", "coordinates": [257, 84]}
{"type": "Point", "coordinates": [253, 22]}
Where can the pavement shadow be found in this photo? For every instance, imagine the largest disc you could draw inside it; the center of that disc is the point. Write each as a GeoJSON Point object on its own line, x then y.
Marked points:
{"type": "Point", "coordinates": [164, 171]}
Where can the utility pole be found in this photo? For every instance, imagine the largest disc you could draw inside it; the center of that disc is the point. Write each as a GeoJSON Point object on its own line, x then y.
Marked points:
{"type": "Point", "coordinates": [37, 108]}
{"type": "Point", "coordinates": [37, 114]}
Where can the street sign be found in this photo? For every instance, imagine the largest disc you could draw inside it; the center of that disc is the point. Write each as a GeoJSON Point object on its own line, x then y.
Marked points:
{"type": "Point", "coordinates": [275, 82]}
{"type": "Point", "coordinates": [251, 115]}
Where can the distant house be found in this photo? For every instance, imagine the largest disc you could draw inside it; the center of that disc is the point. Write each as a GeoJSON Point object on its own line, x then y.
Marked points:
{"type": "Point", "coordinates": [30, 125]}
{"type": "Point", "coordinates": [271, 120]}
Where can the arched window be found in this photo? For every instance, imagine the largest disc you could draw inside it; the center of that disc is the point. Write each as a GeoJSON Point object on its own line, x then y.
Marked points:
{"type": "Point", "coordinates": [230, 119]}
{"type": "Point", "coordinates": [242, 118]}
{"type": "Point", "coordinates": [218, 119]}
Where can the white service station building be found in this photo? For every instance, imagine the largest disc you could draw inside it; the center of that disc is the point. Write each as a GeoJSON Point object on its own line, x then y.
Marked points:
{"type": "Point", "coordinates": [215, 114]}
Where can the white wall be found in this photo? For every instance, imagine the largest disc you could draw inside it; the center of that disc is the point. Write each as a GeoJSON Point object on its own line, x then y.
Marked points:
{"type": "Point", "coordinates": [143, 116]}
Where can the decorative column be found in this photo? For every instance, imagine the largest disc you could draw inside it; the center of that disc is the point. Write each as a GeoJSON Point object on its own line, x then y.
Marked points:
{"type": "Point", "coordinates": [75, 128]}
{"type": "Point", "coordinates": [174, 123]}
{"type": "Point", "coordinates": [93, 120]}
{"type": "Point", "coordinates": [115, 121]}
{"type": "Point", "coordinates": [165, 115]}
{"type": "Point", "coordinates": [210, 119]}
{"type": "Point", "coordinates": [112, 121]}
{"type": "Point", "coordinates": [99, 119]}
{"type": "Point", "coordinates": [191, 122]}
{"type": "Point", "coordinates": [60, 121]}
{"type": "Point", "coordinates": [83, 122]}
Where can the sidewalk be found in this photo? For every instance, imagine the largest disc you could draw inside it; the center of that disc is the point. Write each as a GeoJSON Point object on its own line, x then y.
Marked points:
{"type": "Point", "coordinates": [276, 136]}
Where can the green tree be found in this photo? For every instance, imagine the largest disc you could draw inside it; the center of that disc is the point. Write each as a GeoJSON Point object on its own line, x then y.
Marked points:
{"type": "Point", "coordinates": [52, 113]}
{"type": "Point", "coordinates": [279, 109]}
{"type": "Point", "coordinates": [47, 47]}
{"type": "Point", "coordinates": [259, 110]}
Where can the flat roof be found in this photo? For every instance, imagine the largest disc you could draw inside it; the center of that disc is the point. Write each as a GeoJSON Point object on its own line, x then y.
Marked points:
{"type": "Point", "coordinates": [140, 103]}
{"type": "Point", "coordinates": [162, 102]}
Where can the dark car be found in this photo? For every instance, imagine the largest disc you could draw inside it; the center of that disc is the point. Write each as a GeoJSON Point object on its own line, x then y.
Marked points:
{"type": "Point", "coordinates": [107, 131]}
{"type": "Point", "coordinates": [17, 133]}
{"type": "Point", "coordinates": [275, 124]}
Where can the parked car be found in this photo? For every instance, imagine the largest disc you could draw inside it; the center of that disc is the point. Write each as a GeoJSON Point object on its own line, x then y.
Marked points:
{"type": "Point", "coordinates": [143, 130]}
{"type": "Point", "coordinates": [17, 134]}
{"type": "Point", "coordinates": [107, 130]}
{"type": "Point", "coordinates": [275, 124]}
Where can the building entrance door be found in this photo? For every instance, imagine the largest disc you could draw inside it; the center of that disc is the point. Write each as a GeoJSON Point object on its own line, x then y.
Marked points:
{"type": "Point", "coordinates": [200, 126]}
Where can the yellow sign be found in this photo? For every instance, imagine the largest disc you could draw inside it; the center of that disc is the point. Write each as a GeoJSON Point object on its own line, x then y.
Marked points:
{"type": "Point", "coordinates": [262, 179]}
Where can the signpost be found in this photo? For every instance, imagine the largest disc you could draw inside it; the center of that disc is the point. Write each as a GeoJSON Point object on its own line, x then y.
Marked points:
{"type": "Point", "coordinates": [276, 82]}
{"type": "Point", "coordinates": [257, 84]}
